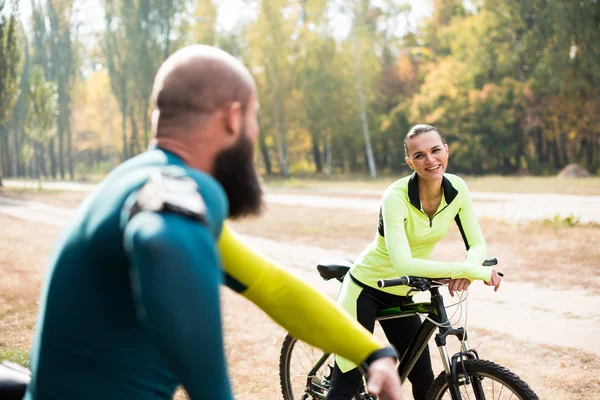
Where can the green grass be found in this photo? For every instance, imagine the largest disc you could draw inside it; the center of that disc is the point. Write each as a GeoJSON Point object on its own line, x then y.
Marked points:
{"type": "Point", "coordinates": [493, 183]}
{"type": "Point", "coordinates": [17, 356]}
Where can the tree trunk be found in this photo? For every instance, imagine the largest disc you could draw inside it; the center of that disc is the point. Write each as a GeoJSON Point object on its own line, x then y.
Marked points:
{"type": "Point", "coordinates": [146, 126]}
{"type": "Point", "coordinates": [363, 111]}
{"type": "Point", "coordinates": [6, 156]}
{"type": "Point", "coordinates": [563, 149]}
{"type": "Point", "coordinates": [61, 156]}
{"type": "Point", "coordinates": [124, 117]}
{"type": "Point", "coordinates": [328, 156]}
{"type": "Point", "coordinates": [17, 148]}
{"type": "Point", "coordinates": [53, 161]}
{"type": "Point", "coordinates": [265, 154]}
{"type": "Point", "coordinates": [540, 145]}
{"type": "Point", "coordinates": [69, 150]}
{"type": "Point", "coordinates": [555, 153]}
{"type": "Point", "coordinates": [590, 152]}
{"type": "Point", "coordinates": [280, 137]}
{"type": "Point", "coordinates": [520, 147]}
{"type": "Point", "coordinates": [43, 168]}
{"type": "Point", "coordinates": [134, 135]}
{"type": "Point", "coordinates": [2, 153]}
{"type": "Point", "coordinates": [316, 154]}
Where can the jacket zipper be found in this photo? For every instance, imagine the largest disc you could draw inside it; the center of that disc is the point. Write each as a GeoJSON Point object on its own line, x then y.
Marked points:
{"type": "Point", "coordinates": [431, 219]}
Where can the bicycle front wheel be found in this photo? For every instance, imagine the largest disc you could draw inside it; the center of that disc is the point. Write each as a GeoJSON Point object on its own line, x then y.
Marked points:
{"type": "Point", "coordinates": [486, 380]}
{"type": "Point", "coordinates": [305, 372]}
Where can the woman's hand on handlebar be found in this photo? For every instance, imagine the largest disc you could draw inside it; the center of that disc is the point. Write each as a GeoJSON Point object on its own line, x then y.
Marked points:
{"type": "Point", "coordinates": [494, 281]}
{"type": "Point", "coordinates": [456, 285]}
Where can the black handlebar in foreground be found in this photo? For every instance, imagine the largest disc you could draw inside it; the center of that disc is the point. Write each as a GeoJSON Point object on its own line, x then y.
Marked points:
{"type": "Point", "coordinates": [418, 282]}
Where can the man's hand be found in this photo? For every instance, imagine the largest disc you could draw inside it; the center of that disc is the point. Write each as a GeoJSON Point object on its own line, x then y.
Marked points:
{"type": "Point", "coordinates": [384, 381]}
{"type": "Point", "coordinates": [494, 281]}
{"type": "Point", "coordinates": [456, 285]}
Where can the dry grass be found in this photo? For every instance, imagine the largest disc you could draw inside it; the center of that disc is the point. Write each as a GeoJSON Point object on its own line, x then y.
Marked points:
{"type": "Point", "coordinates": [53, 197]}
{"type": "Point", "coordinates": [536, 253]}
{"type": "Point", "coordinates": [509, 184]}
{"type": "Point", "coordinates": [531, 252]}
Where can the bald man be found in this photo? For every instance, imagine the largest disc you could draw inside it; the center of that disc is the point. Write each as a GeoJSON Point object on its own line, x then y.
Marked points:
{"type": "Point", "coordinates": [130, 307]}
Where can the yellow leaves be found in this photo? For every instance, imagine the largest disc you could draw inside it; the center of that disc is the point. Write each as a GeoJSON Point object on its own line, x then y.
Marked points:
{"type": "Point", "coordinates": [385, 124]}
{"type": "Point", "coordinates": [572, 134]}
{"type": "Point", "coordinates": [436, 115]}
{"type": "Point", "coordinates": [204, 22]}
{"type": "Point", "coordinates": [95, 117]}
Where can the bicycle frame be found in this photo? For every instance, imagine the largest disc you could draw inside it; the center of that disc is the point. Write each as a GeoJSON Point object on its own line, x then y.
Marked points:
{"type": "Point", "coordinates": [435, 311]}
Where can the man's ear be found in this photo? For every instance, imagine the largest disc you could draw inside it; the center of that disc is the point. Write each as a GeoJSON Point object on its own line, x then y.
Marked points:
{"type": "Point", "coordinates": [233, 118]}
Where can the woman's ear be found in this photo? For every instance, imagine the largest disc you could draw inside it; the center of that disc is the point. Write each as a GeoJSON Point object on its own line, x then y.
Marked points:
{"type": "Point", "coordinates": [409, 163]}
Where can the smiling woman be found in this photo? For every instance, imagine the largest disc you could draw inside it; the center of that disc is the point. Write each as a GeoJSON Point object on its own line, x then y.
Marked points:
{"type": "Point", "coordinates": [416, 212]}
{"type": "Point", "coordinates": [427, 154]}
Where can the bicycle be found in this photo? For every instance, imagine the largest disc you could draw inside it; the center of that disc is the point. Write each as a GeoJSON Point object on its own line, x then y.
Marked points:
{"type": "Point", "coordinates": [465, 375]}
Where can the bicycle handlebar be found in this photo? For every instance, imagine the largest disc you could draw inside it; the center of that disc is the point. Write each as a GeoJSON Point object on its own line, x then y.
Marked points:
{"type": "Point", "coordinates": [402, 281]}
{"type": "Point", "coordinates": [423, 283]}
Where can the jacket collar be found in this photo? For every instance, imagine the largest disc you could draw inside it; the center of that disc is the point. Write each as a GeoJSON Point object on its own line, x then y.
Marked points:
{"type": "Point", "coordinates": [450, 192]}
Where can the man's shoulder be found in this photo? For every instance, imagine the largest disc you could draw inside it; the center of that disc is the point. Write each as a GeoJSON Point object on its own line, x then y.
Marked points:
{"type": "Point", "coordinates": [181, 190]}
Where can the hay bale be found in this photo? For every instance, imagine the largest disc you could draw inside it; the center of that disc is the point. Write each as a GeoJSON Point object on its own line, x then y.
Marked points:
{"type": "Point", "coordinates": [574, 171]}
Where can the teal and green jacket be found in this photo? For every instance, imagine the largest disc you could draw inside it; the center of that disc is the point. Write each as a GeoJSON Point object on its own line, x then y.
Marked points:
{"type": "Point", "coordinates": [130, 306]}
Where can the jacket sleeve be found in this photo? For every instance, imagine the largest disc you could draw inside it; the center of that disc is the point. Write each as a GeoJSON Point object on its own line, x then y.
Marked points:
{"type": "Point", "coordinates": [175, 278]}
{"type": "Point", "coordinates": [307, 314]}
{"type": "Point", "coordinates": [470, 230]}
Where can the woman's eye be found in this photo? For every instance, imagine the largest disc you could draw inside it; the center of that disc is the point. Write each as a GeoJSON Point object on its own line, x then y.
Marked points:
{"type": "Point", "coordinates": [418, 156]}
{"type": "Point", "coordinates": [436, 150]}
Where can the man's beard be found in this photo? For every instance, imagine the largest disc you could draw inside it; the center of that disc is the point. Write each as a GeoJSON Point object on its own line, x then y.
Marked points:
{"type": "Point", "coordinates": [234, 170]}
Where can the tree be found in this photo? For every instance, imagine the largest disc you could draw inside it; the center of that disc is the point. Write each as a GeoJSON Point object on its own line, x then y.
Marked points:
{"type": "Point", "coordinates": [40, 126]}
{"type": "Point", "coordinates": [10, 59]}
{"type": "Point", "coordinates": [271, 53]}
{"type": "Point", "coordinates": [62, 71]}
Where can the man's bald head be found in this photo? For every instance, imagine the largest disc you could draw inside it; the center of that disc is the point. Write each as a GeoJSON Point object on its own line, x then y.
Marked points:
{"type": "Point", "coordinates": [196, 81]}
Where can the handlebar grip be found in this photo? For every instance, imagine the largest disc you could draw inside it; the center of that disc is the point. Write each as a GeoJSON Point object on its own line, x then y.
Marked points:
{"type": "Point", "coordinates": [405, 280]}
{"type": "Point", "coordinates": [490, 262]}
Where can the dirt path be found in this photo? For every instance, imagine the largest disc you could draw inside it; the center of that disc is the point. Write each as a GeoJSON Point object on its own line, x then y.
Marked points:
{"type": "Point", "coordinates": [508, 207]}
{"type": "Point", "coordinates": [540, 315]}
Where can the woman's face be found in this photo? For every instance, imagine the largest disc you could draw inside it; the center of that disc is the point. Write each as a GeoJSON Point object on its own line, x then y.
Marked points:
{"type": "Point", "coordinates": [427, 155]}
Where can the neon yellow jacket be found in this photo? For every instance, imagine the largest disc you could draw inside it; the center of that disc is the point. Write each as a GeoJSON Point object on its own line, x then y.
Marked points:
{"type": "Point", "coordinates": [406, 236]}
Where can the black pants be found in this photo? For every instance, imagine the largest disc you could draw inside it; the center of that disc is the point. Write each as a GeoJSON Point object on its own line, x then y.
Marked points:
{"type": "Point", "coordinates": [399, 332]}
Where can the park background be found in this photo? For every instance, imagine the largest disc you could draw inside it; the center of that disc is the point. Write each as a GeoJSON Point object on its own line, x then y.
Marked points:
{"type": "Point", "coordinates": [513, 85]}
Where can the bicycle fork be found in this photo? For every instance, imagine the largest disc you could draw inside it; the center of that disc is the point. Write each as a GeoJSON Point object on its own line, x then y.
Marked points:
{"type": "Point", "coordinates": [454, 366]}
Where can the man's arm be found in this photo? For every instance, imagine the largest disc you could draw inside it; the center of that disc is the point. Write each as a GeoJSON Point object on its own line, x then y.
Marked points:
{"type": "Point", "coordinates": [175, 278]}
{"type": "Point", "coordinates": [306, 313]}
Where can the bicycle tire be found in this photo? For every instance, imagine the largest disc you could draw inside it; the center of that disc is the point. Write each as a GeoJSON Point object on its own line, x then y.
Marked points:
{"type": "Point", "coordinates": [489, 372]}
{"type": "Point", "coordinates": [285, 375]}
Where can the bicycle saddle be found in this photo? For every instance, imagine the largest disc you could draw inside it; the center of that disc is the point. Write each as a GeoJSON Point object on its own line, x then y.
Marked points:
{"type": "Point", "coordinates": [13, 381]}
{"type": "Point", "coordinates": [331, 269]}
